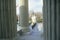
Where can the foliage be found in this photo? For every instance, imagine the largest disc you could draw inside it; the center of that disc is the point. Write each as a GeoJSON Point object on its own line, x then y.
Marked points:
{"type": "Point", "coordinates": [39, 20]}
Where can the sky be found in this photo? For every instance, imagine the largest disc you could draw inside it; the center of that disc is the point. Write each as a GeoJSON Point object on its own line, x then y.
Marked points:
{"type": "Point", "coordinates": [33, 5]}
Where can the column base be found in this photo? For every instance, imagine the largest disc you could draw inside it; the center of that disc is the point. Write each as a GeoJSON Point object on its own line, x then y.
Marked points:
{"type": "Point", "coordinates": [24, 29]}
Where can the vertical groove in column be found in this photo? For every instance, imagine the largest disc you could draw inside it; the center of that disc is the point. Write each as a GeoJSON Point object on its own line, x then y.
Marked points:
{"type": "Point", "coordinates": [7, 19]}
{"type": "Point", "coordinates": [58, 20]}
{"type": "Point", "coordinates": [49, 20]}
{"type": "Point", "coordinates": [53, 19]}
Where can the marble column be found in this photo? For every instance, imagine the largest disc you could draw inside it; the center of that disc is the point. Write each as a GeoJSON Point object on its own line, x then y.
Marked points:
{"type": "Point", "coordinates": [7, 19]}
{"type": "Point", "coordinates": [24, 17]}
{"type": "Point", "coordinates": [45, 18]}
{"type": "Point", "coordinates": [51, 11]}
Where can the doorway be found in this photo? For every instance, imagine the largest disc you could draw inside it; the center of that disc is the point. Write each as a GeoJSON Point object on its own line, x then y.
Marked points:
{"type": "Point", "coordinates": [35, 19]}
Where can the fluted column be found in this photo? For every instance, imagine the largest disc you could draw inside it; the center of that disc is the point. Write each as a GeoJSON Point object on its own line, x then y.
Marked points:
{"type": "Point", "coordinates": [51, 19]}
{"type": "Point", "coordinates": [45, 7]}
{"type": "Point", "coordinates": [7, 19]}
{"type": "Point", "coordinates": [24, 17]}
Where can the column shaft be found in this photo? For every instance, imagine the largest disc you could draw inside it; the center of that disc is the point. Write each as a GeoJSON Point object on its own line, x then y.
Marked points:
{"type": "Point", "coordinates": [7, 19]}
{"type": "Point", "coordinates": [24, 17]}
{"type": "Point", "coordinates": [52, 19]}
{"type": "Point", "coordinates": [45, 18]}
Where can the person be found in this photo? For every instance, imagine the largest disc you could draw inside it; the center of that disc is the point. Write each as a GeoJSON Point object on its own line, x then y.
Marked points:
{"type": "Point", "coordinates": [33, 18]}
{"type": "Point", "coordinates": [33, 23]}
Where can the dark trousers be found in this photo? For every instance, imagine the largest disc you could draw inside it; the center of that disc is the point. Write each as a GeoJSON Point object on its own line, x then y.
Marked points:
{"type": "Point", "coordinates": [33, 25]}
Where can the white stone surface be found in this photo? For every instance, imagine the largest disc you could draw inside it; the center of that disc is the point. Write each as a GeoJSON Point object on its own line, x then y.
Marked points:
{"type": "Point", "coordinates": [35, 34]}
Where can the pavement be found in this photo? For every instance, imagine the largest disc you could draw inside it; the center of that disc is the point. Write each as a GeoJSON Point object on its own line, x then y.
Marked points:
{"type": "Point", "coordinates": [34, 34]}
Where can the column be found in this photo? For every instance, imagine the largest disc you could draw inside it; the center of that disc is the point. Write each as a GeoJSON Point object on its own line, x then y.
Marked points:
{"type": "Point", "coordinates": [7, 19]}
{"type": "Point", "coordinates": [45, 7]}
{"type": "Point", "coordinates": [51, 19]}
{"type": "Point", "coordinates": [24, 17]}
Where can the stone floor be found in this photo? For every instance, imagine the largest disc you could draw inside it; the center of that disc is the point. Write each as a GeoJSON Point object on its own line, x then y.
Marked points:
{"type": "Point", "coordinates": [35, 34]}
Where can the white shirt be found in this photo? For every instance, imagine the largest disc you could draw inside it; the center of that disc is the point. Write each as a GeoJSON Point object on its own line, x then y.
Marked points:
{"type": "Point", "coordinates": [33, 19]}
